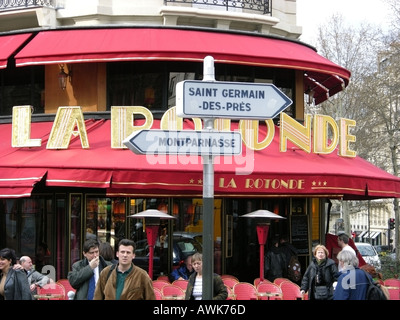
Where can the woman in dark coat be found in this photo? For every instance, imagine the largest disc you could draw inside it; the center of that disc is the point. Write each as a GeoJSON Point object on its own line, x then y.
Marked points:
{"type": "Point", "coordinates": [14, 284]}
{"type": "Point", "coordinates": [320, 275]}
{"type": "Point", "coordinates": [194, 287]}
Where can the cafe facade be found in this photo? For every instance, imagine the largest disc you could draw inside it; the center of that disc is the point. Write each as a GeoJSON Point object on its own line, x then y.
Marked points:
{"type": "Point", "coordinates": [70, 96]}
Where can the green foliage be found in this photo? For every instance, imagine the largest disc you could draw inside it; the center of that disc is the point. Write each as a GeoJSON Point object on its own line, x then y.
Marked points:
{"type": "Point", "coordinates": [390, 267]}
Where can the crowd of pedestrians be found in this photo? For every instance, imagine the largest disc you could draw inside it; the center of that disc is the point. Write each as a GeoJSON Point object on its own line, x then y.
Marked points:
{"type": "Point", "coordinates": [102, 276]}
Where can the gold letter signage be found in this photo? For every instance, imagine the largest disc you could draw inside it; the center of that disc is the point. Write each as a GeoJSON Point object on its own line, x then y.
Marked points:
{"type": "Point", "coordinates": [69, 123]}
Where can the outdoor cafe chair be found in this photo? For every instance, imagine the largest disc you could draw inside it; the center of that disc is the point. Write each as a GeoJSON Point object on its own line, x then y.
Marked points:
{"type": "Point", "coordinates": [269, 291]}
{"type": "Point", "coordinates": [245, 291]}
{"type": "Point", "coordinates": [50, 291]}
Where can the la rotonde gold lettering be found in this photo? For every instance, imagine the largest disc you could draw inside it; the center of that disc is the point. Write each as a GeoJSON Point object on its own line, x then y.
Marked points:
{"type": "Point", "coordinates": [275, 184]}
{"type": "Point", "coordinates": [69, 122]}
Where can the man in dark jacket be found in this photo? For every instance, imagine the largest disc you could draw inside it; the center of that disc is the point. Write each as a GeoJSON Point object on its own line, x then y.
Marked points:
{"type": "Point", "coordinates": [80, 276]}
{"type": "Point", "coordinates": [275, 266]}
{"type": "Point", "coordinates": [288, 251]}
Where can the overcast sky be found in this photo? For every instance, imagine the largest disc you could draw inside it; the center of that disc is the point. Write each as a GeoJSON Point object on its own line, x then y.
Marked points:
{"type": "Point", "coordinates": [312, 13]}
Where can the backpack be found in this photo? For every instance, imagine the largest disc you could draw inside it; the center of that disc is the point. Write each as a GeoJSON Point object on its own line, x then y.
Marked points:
{"type": "Point", "coordinates": [294, 269]}
{"type": "Point", "coordinates": [374, 291]}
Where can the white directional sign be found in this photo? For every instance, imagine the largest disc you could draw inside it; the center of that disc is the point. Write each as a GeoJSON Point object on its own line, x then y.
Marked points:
{"type": "Point", "coordinates": [233, 100]}
{"type": "Point", "coordinates": [185, 142]}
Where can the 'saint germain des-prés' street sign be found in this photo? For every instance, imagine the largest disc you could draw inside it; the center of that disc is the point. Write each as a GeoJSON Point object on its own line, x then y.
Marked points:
{"type": "Point", "coordinates": [233, 100]}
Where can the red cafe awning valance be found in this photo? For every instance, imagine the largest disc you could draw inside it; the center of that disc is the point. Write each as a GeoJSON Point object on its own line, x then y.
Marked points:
{"type": "Point", "coordinates": [19, 182]}
{"type": "Point", "coordinates": [9, 44]}
{"type": "Point", "coordinates": [151, 44]}
{"type": "Point", "coordinates": [262, 173]}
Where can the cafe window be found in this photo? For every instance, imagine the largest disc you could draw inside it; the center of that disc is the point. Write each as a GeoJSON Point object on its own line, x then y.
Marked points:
{"type": "Point", "coordinates": [153, 84]}
{"type": "Point", "coordinates": [29, 227]}
{"type": "Point", "coordinates": [105, 219]}
{"type": "Point", "coordinates": [21, 86]}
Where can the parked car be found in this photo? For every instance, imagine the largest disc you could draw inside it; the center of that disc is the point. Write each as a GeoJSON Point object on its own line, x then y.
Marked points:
{"type": "Point", "coordinates": [184, 244]}
{"type": "Point", "coordinates": [382, 248]}
{"type": "Point", "coordinates": [369, 254]}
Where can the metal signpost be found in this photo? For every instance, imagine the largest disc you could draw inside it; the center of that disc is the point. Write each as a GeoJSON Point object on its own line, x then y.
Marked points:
{"type": "Point", "coordinates": [209, 99]}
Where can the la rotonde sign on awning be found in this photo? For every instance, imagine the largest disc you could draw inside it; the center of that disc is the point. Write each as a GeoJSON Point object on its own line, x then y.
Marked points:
{"type": "Point", "coordinates": [94, 152]}
{"type": "Point", "coordinates": [69, 124]}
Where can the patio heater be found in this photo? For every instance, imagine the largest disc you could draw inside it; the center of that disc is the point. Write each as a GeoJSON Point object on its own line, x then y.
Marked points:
{"type": "Point", "coordinates": [264, 218]}
{"type": "Point", "coordinates": [152, 219]}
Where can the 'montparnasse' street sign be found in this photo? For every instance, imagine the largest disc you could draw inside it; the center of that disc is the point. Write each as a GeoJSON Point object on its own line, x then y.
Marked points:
{"type": "Point", "coordinates": [185, 142]}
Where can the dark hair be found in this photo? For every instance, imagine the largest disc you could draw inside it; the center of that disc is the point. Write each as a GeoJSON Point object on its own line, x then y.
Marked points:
{"type": "Point", "coordinates": [344, 237]}
{"type": "Point", "coordinates": [89, 244]}
{"type": "Point", "coordinates": [127, 242]}
{"type": "Point", "coordinates": [9, 254]}
{"type": "Point", "coordinates": [274, 241]}
{"type": "Point", "coordinates": [106, 251]}
{"type": "Point", "coordinates": [284, 238]}
{"type": "Point", "coordinates": [43, 245]}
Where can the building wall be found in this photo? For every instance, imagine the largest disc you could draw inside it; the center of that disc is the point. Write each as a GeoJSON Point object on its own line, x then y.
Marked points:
{"type": "Point", "coordinates": [88, 86]}
{"type": "Point", "coordinates": [361, 218]}
{"type": "Point", "coordinates": [72, 13]}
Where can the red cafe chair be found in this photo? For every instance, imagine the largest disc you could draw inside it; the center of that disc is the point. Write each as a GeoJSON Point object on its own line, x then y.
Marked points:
{"type": "Point", "coordinates": [223, 276]}
{"type": "Point", "coordinates": [173, 292]}
{"type": "Point", "coordinates": [230, 282]}
{"type": "Point", "coordinates": [245, 291]}
{"type": "Point", "coordinates": [257, 281]}
{"type": "Point", "coordinates": [278, 281]}
{"type": "Point", "coordinates": [391, 282]}
{"type": "Point", "coordinates": [290, 291]}
{"type": "Point", "coordinates": [269, 291]}
{"type": "Point", "coordinates": [67, 288]}
{"type": "Point", "coordinates": [158, 293]}
{"type": "Point", "coordinates": [181, 283]}
{"type": "Point", "coordinates": [51, 291]}
{"type": "Point", "coordinates": [159, 284]}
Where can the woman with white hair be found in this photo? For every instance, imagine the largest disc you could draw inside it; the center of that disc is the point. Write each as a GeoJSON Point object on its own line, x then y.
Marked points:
{"type": "Point", "coordinates": [352, 283]}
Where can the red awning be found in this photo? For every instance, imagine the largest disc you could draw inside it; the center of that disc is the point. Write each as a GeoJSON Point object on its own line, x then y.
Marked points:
{"type": "Point", "coordinates": [79, 178]}
{"type": "Point", "coordinates": [9, 45]}
{"type": "Point", "coordinates": [128, 44]}
{"type": "Point", "coordinates": [263, 173]}
{"type": "Point", "coordinates": [19, 182]}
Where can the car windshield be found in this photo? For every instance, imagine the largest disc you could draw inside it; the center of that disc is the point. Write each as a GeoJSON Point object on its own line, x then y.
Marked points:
{"type": "Point", "coordinates": [188, 246]}
{"type": "Point", "coordinates": [366, 251]}
{"type": "Point", "coordinates": [183, 245]}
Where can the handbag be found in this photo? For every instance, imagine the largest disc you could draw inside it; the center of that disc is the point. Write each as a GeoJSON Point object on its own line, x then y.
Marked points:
{"type": "Point", "coordinates": [321, 293]}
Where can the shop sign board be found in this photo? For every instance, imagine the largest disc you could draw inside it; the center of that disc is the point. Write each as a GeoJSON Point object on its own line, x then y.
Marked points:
{"type": "Point", "coordinates": [232, 100]}
{"type": "Point", "coordinates": [185, 142]}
